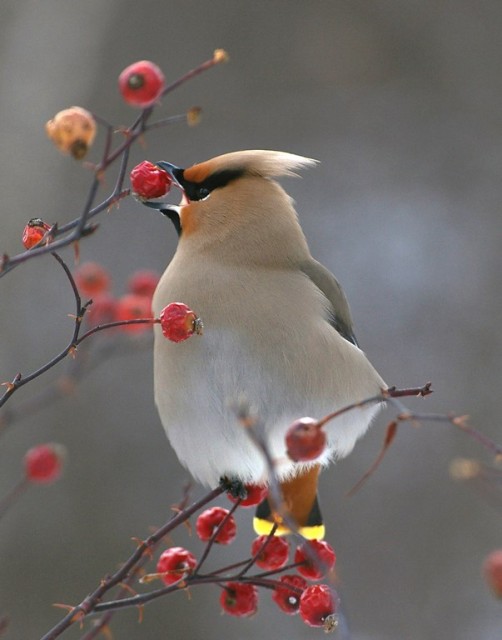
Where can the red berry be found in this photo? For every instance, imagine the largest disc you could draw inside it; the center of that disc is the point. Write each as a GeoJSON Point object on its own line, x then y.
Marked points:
{"type": "Point", "coordinates": [322, 551]}
{"type": "Point", "coordinates": [492, 570]}
{"type": "Point", "coordinates": [102, 309]}
{"type": "Point", "coordinates": [210, 520]}
{"type": "Point", "coordinates": [179, 322]}
{"type": "Point", "coordinates": [317, 604]}
{"type": "Point", "coordinates": [149, 181]}
{"type": "Point", "coordinates": [143, 283]}
{"type": "Point", "coordinates": [255, 493]}
{"type": "Point", "coordinates": [305, 440]}
{"type": "Point", "coordinates": [43, 463]}
{"type": "Point", "coordinates": [141, 83]}
{"type": "Point", "coordinates": [273, 555]}
{"type": "Point", "coordinates": [286, 598]}
{"type": "Point", "coordinates": [134, 307]}
{"type": "Point", "coordinates": [92, 279]}
{"type": "Point", "coordinates": [175, 563]}
{"type": "Point", "coordinates": [239, 599]}
{"type": "Point", "coordinates": [34, 231]}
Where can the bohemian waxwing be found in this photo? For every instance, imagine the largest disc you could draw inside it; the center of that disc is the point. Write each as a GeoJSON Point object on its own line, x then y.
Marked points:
{"type": "Point", "coordinates": [277, 332]}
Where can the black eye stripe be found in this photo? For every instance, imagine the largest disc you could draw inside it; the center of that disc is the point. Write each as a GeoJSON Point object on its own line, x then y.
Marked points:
{"type": "Point", "coordinates": [200, 190]}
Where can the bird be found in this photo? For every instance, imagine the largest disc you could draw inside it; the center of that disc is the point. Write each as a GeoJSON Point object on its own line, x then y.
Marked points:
{"type": "Point", "coordinates": [278, 332]}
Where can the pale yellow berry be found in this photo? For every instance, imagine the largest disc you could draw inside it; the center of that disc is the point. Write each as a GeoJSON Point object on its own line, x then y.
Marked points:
{"type": "Point", "coordinates": [73, 131]}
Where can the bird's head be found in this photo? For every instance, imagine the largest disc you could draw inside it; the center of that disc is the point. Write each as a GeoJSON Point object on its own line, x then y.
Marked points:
{"type": "Point", "coordinates": [234, 197]}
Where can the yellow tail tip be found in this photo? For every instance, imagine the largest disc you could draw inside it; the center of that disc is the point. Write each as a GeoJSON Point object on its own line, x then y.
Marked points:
{"type": "Point", "coordinates": [263, 528]}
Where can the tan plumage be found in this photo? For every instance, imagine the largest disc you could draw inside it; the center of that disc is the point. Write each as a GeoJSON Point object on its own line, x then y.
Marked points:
{"type": "Point", "coordinates": [277, 326]}
{"type": "Point", "coordinates": [267, 164]}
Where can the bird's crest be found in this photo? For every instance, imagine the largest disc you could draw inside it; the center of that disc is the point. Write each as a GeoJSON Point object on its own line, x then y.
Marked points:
{"type": "Point", "coordinates": [257, 162]}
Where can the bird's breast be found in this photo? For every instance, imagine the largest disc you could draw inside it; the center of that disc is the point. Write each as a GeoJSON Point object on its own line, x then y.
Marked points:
{"type": "Point", "coordinates": [265, 340]}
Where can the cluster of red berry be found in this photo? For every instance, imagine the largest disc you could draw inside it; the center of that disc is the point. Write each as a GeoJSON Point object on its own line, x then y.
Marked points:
{"type": "Point", "coordinates": [73, 131]}
{"type": "Point", "coordinates": [177, 320]}
{"type": "Point", "coordinates": [292, 594]}
{"type": "Point", "coordinates": [94, 281]}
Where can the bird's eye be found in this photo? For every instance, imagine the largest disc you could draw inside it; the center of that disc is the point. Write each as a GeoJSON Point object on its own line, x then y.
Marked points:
{"type": "Point", "coordinates": [202, 193]}
{"type": "Point", "coordinates": [196, 192]}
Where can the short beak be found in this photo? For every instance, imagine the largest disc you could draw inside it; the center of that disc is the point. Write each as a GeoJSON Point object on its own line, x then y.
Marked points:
{"type": "Point", "coordinates": [171, 211]}
{"type": "Point", "coordinates": [175, 172]}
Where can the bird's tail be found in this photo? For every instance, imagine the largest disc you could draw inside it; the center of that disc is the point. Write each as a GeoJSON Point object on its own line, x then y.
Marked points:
{"type": "Point", "coordinates": [302, 506]}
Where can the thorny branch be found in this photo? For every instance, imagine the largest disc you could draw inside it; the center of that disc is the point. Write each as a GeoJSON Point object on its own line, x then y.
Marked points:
{"type": "Point", "coordinates": [91, 601]}
{"type": "Point", "coordinates": [102, 624]}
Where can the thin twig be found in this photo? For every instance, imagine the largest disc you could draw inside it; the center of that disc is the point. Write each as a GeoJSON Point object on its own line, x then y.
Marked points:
{"type": "Point", "coordinates": [90, 603]}
{"type": "Point", "coordinates": [20, 380]}
{"type": "Point", "coordinates": [65, 384]}
{"type": "Point", "coordinates": [145, 598]}
{"type": "Point", "coordinates": [262, 548]}
{"type": "Point", "coordinates": [12, 496]}
{"type": "Point", "coordinates": [181, 117]}
{"type": "Point", "coordinates": [127, 582]}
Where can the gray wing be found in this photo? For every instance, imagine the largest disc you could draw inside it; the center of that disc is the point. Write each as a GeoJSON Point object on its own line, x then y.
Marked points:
{"type": "Point", "coordinates": [340, 317]}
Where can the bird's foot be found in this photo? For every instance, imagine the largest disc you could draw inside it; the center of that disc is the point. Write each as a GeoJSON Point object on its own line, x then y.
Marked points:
{"type": "Point", "coordinates": [234, 487]}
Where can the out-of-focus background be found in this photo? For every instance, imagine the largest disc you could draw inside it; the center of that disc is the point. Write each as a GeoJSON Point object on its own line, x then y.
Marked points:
{"type": "Point", "coordinates": [401, 103]}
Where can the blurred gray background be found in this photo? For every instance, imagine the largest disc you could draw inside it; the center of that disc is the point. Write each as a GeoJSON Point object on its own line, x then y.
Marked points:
{"type": "Point", "coordinates": [401, 103]}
